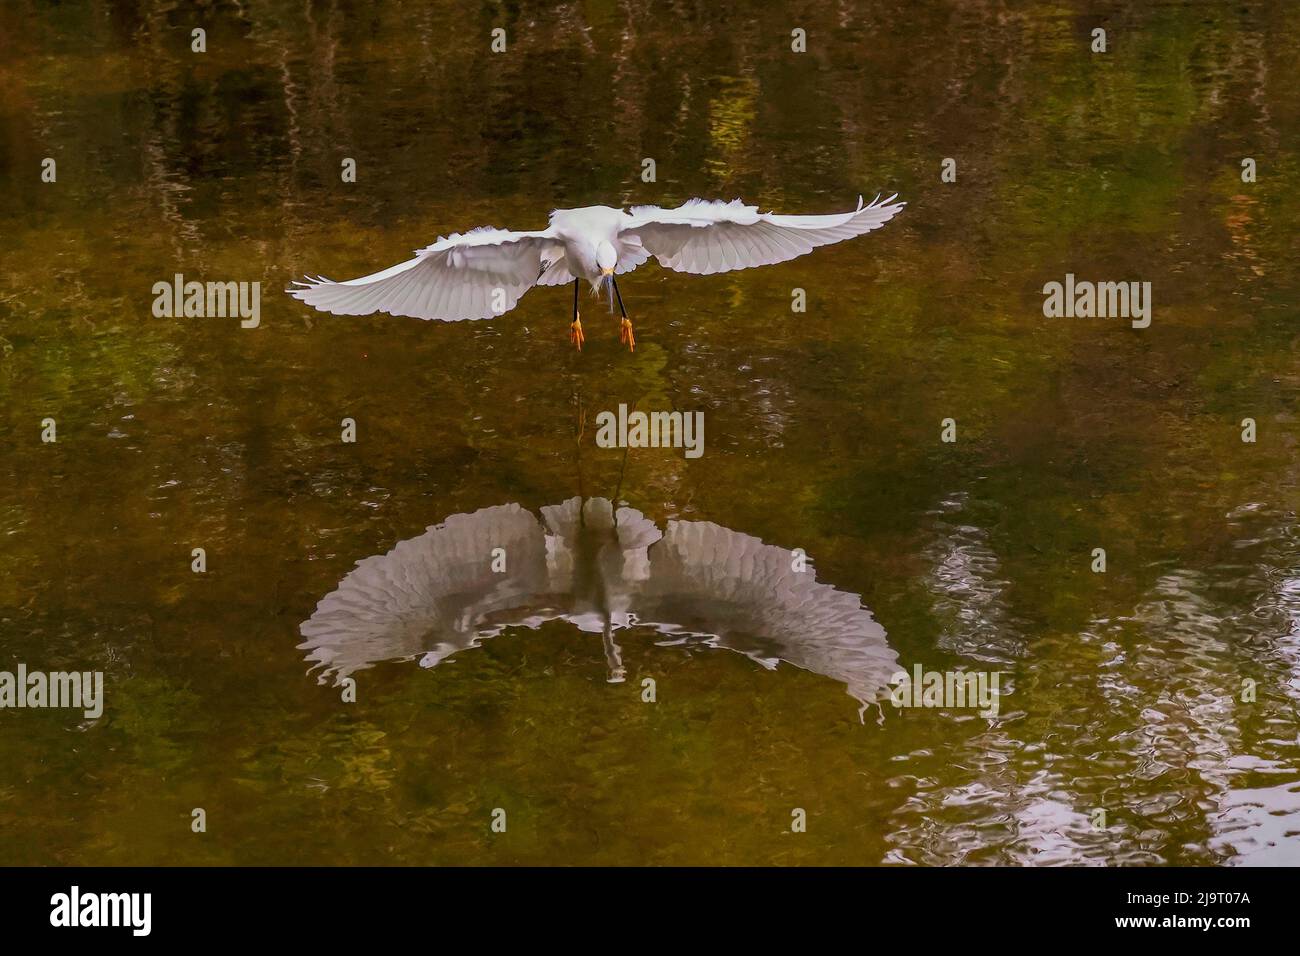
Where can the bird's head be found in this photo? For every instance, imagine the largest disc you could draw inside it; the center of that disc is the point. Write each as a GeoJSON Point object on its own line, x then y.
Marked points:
{"type": "Point", "coordinates": [606, 258]}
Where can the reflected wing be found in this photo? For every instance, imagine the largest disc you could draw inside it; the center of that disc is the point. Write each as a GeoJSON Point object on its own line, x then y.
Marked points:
{"type": "Point", "coordinates": [472, 276]}
{"type": "Point", "coordinates": [709, 580]}
{"type": "Point", "coordinates": [433, 594]}
{"type": "Point", "coordinates": [707, 237]}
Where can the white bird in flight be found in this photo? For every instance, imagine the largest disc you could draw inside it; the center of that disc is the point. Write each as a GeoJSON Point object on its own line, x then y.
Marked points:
{"type": "Point", "coordinates": [484, 272]}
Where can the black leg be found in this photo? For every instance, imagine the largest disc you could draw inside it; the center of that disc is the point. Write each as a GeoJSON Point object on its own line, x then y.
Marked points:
{"type": "Point", "coordinates": [575, 329]}
{"type": "Point", "coordinates": [619, 295]}
{"type": "Point", "coordinates": [625, 329]}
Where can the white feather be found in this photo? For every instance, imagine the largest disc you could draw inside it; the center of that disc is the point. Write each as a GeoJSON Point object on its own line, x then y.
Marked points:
{"type": "Point", "coordinates": [476, 275]}
{"type": "Point", "coordinates": [484, 272]}
{"type": "Point", "coordinates": [706, 237]}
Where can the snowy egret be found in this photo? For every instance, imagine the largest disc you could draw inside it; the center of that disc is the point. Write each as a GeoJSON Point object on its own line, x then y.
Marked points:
{"type": "Point", "coordinates": [484, 272]}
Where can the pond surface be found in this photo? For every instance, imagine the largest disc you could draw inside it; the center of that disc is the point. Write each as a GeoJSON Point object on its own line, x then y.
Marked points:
{"type": "Point", "coordinates": [1128, 691]}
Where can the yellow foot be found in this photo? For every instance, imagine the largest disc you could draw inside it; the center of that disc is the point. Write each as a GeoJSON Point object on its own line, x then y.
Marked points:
{"type": "Point", "coordinates": [625, 335]}
{"type": "Point", "coordinates": [575, 332]}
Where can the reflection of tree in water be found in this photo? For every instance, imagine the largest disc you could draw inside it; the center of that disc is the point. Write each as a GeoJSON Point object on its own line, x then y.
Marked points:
{"type": "Point", "coordinates": [1259, 813]}
{"type": "Point", "coordinates": [603, 572]}
{"type": "Point", "coordinates": [967, 589]}
{"type": "Point", "coordinates": [1159, 737]}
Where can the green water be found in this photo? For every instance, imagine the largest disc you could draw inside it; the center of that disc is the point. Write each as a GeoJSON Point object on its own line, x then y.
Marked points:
{"type": "Point", "coordinates": [1122, 690]}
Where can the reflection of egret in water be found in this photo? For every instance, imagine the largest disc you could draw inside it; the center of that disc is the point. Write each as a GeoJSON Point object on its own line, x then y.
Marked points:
{"type": "Point", "coordinates": [602, 571]}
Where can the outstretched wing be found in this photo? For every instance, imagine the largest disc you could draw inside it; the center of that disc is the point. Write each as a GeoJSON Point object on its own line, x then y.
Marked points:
{"type": "Point", "coordinates": [707, 237]}
{"type": "Point", "coordinates": [476, 275]}
{"type": "Point", "coordinates": [745, 595]}
{"type": "Point", "coordinates": [433, 594]}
